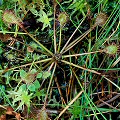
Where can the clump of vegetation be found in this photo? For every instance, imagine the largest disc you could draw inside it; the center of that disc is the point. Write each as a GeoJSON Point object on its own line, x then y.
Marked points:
{"type": "Point", "coordinates": [10, 18]}
{"type": "Point", "coordinates": [59, 60]}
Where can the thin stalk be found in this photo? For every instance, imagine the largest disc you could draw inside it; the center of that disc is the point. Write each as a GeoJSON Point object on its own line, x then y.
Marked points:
{"type": "Point", "coordinates": [72, 36]}
{"type": "Point", "coordinates": [51, 66]}
{"type": "Point", "coordinates": [49, 85]}
{"type": "Point", "coordinates": [79, 39]}
{"type": "Point", "coordinates": [47, 65]}
{"type": "Point", "coordinates": [112, 33]}
{"type": "Point", "coordinates": [89, 100]}
{"type": "Point", "coordinates": [106, 111]}
{"type": "Point", "coordinates": [31, 47]}
{"type": "Point", "coordinates": [15, 49]}
{"type": "Point", "coordinates": [109, 101]}
{"type": "Point", "coordinates": [8, 32]}
{"type": "Point", "coordinates": [69, 104]}
{"type": "Point", "coordinates": [45, 60]}
{"type": "Point", "coordinates": [89, 70]}
{"type": "Point", "coordinates": [116, 62]}
{"type": "Point", "coordinates": [38, 42]}
{"type": "Point", "coordinates": [75, 55]}
{"type": "Point", "coordinates": [1, 106]}
{"type": "Point", "coordinates": [111, 82]}
{"type": "Point", "coordinates": [60, 92]}
{"type": "Point", "coordinates": [108, 69]}
{"type": "Point", "coordinates": [32, 65]}
{"type": "Point", "coordinates": [54, 29]}
{"type": "Point", "coordinates": [60, 39]}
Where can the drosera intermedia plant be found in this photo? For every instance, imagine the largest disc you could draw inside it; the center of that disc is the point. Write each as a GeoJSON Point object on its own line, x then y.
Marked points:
{"type": "Point", "coordinates": [65, 53]}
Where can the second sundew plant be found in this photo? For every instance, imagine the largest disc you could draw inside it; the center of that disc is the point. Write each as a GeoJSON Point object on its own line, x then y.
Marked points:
{"type": "Point", "coordinates": [66, 55]}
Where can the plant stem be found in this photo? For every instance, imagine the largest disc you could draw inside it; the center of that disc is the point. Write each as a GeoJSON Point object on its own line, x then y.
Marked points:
{"type": "Point", "coordinates": [89, 100]}
{"type": "Point", "coordinates": [38, 42]}
{"type": "Point", "coordinates": [49, 85]}
{"type": "Point", "coordinates": [78, 39]}
{"type": "Point", "coordinates": [51, 66]}
{"type": "Point", "coordinates": [78, 95]}
{"type": "Point", "coordinates": [116, 62]}
{"type": "Point", "coordinates": [8, 32]}
{"type": "Point", "coordinates": [54, 29]}
{"type": "Point", "coordinates": [111, 82]}
{"type": "Point", "coordinates": [45, 60]}
{"type": "Point", "coordinates": [47, 65]}
{"type": "Point", "coordinates": [69, 63]}
{"type": "Point", "coordinates": [72, 35]}
{"type": "Point", "coordinates": [60, 39]}
{"type": "Point", "coordinates": [75, 55]}
{"type": "Point", "coordinates": [31, 47]}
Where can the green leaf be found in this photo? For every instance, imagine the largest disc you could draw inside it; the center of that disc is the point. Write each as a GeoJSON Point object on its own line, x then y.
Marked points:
{"type": "Point", "coordinates": [34, 45]}
{"type": "Point", "coordinates": [39, 75]}
{"type": "Point", "coordinates": [23, 87]}
{"type": "Point", "coordinates": [31, 87]}
{"type": "Point", "coordinates": [23, 73]}
{"type": "Point", "coordinates": [39, 94]}
{"type": "Point", "coordinates": [75, 110]}
{"type": "Point", "coordinates": [1, 50]}
{"type": "Point", "coordinates": [8, 76]}
{"type": "Point", "coordinates": [37, 84]}
{"type": "Point", "coordinates": [46, 74]}
{"type": "Point", "coordinates": [36, 56]}
{"type": "Point", "coordinates": [28, 77]}
{"type": "Point", "coordinates": [33, 71]}
{"type": "Point", "coordinates": [43, 17]}
{"type": "Point", "coordinates": [34, 11]}
{"type": "Point", "coordinates": [2, 91]}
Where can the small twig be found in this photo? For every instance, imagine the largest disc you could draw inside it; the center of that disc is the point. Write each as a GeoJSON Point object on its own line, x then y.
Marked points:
{"type": "Point", "coordinates": [109, 101]}
{"type": "Point", "coordinates": [104, 92]}
{"type": "Point", "coordinates": [58, 86]}
{"type": "Point", "coordinates": [111, 82]}
{"type": "Point", "coordinates": [1, 106]}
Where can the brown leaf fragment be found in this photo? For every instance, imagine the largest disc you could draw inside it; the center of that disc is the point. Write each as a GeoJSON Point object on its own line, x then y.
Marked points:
{"type": "Point", "coordinates": [18, 116]}
{"type": "Point", "coordinates": [3, 117]}
{"type": "Point", "coordinates": [5, 37]}
{"type": "Point", "coordinates": [9, 111]}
